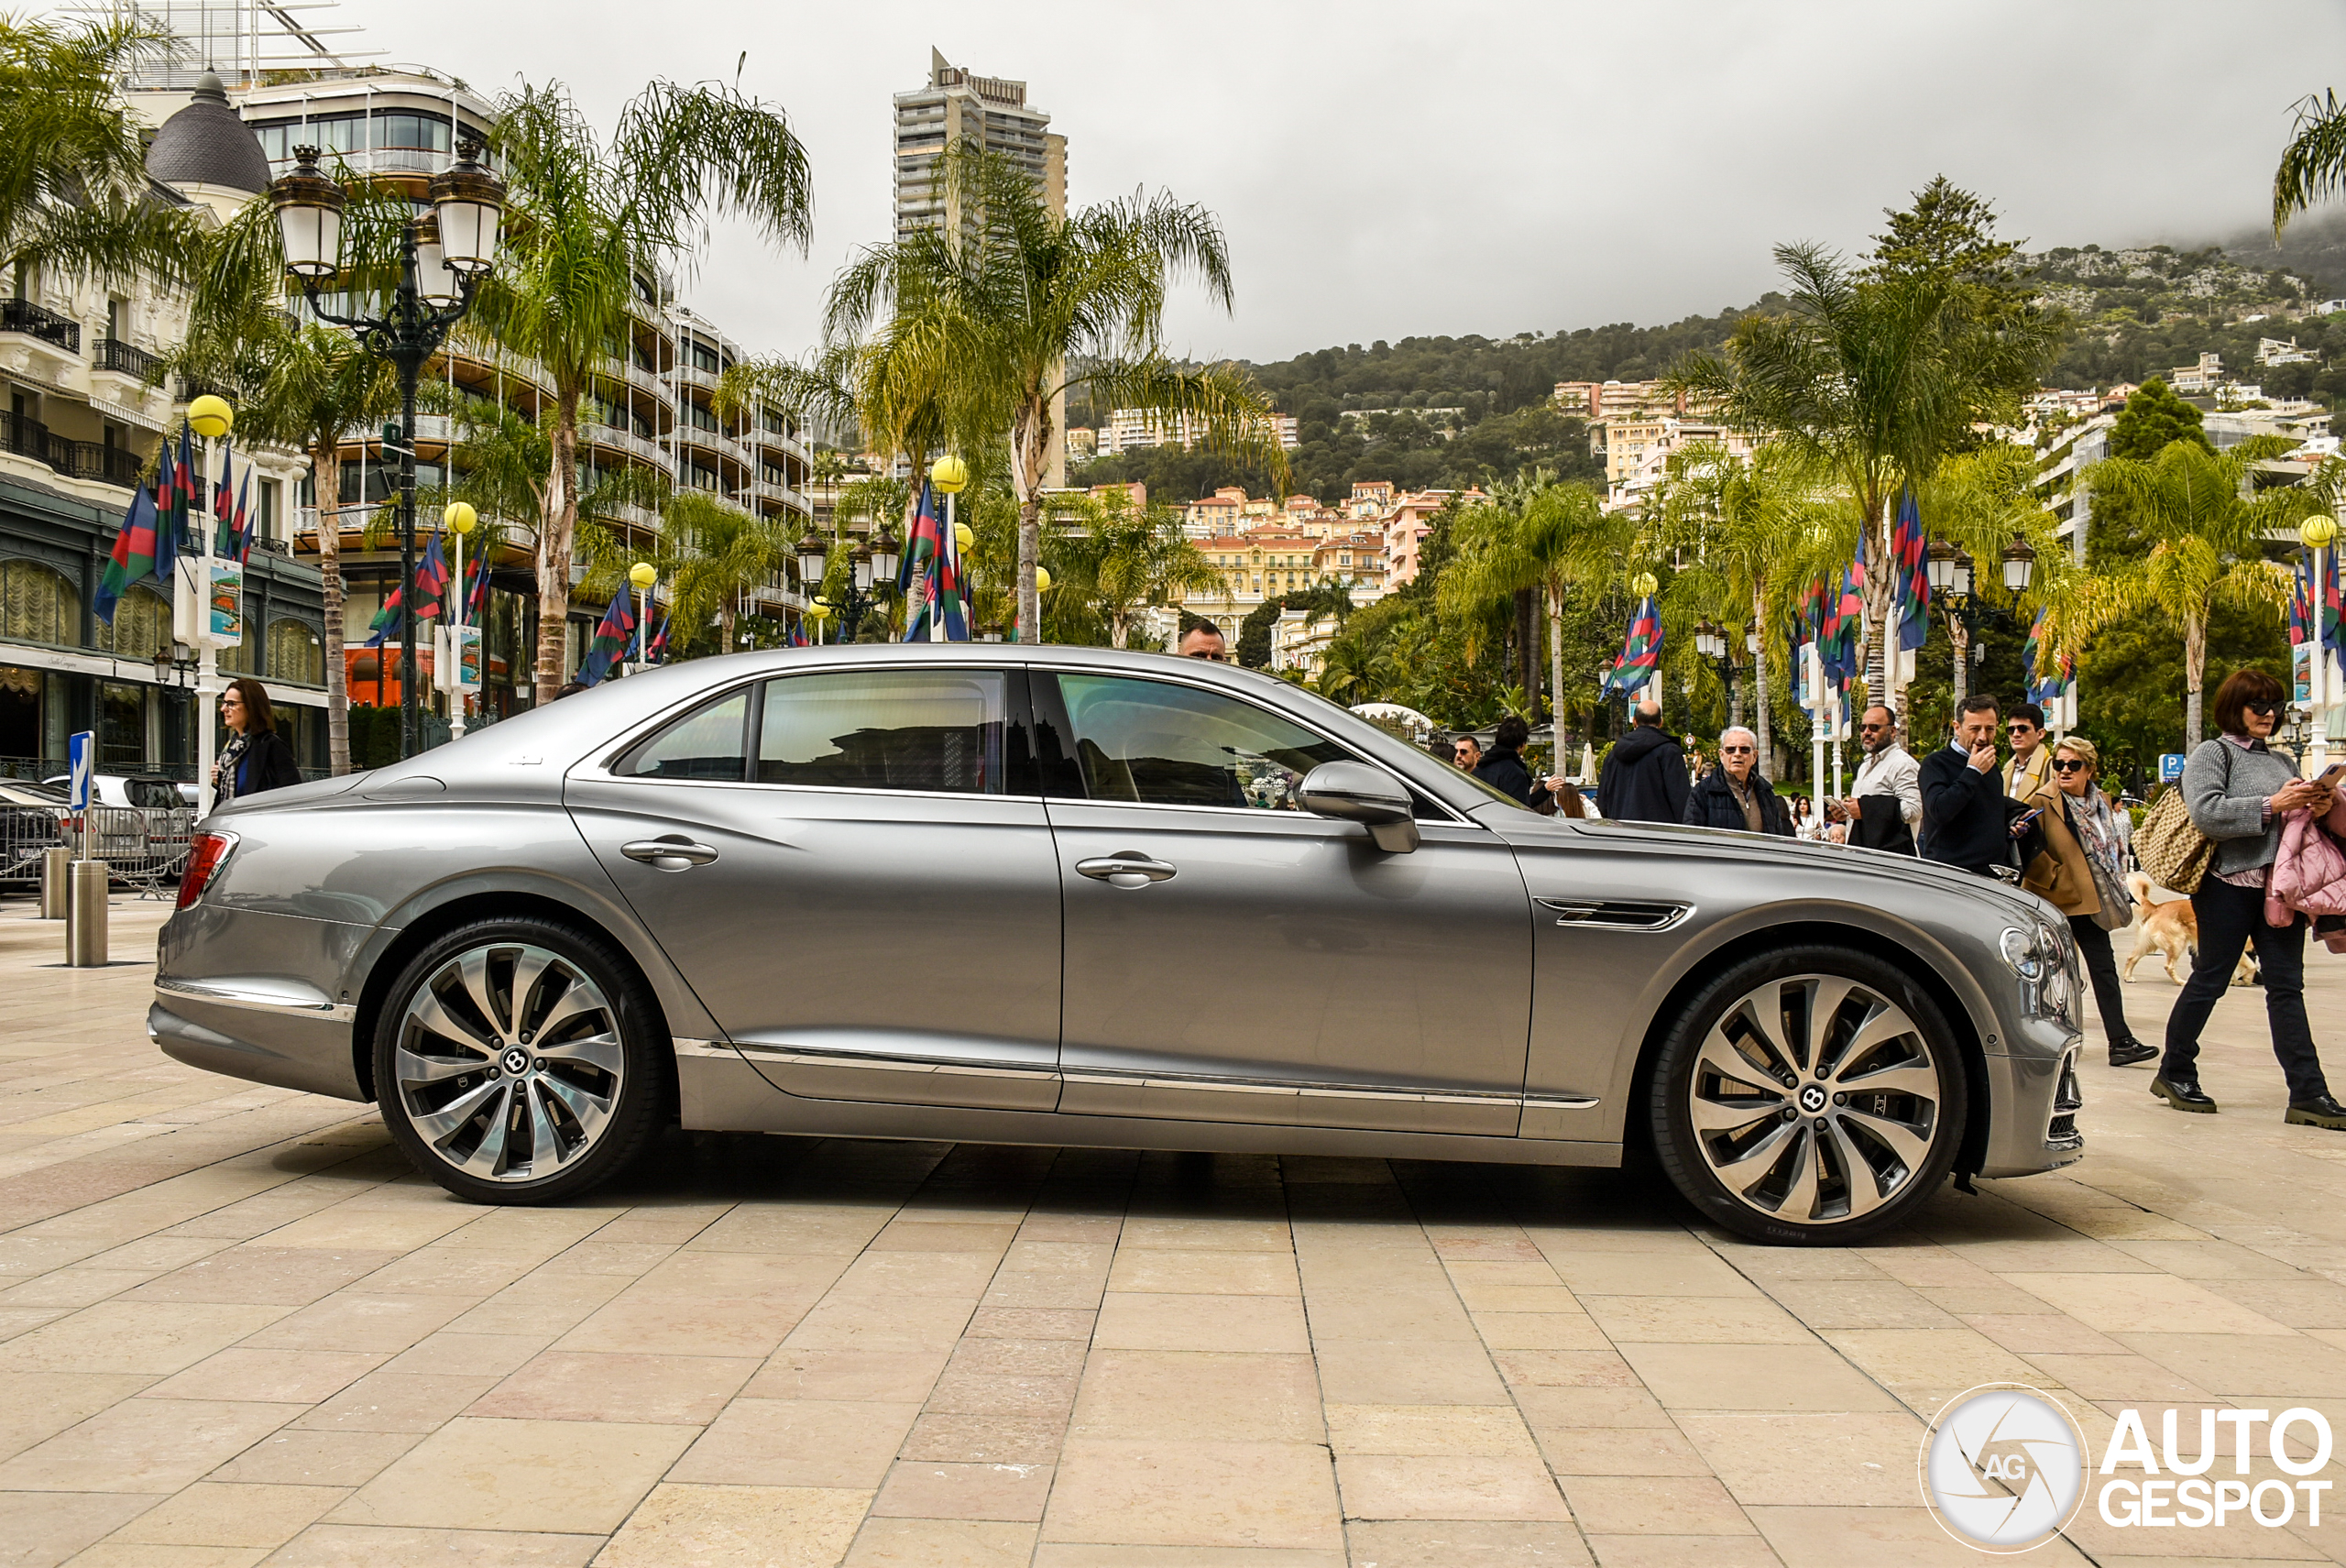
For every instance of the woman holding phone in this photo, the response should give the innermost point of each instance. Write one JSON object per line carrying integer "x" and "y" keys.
{"x": 2238, "y": 790}
{"x": 2082, "y": 873}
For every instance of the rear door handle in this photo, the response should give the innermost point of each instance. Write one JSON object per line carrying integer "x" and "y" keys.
{"x": 673, "y": 853}
{"x": 1129, "y": 869}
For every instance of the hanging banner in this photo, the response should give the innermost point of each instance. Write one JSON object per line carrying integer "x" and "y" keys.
{"x": 208, "y": 601}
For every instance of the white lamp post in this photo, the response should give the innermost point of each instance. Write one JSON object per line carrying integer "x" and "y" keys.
{"x": 644, "y": 574}
{"x": 460, "y": 520}
{"x": 2319, "y": 533}
{"x": 211, "y": 418}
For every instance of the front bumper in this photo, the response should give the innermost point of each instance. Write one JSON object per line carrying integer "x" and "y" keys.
{"x": 2033, "y": 1103}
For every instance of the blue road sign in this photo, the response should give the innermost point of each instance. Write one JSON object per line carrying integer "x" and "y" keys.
{"x": 84, "y": 750}
{"x": 2170, "y": 767}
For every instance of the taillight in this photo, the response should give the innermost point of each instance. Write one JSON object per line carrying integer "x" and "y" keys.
{"x": 210, "y": 850}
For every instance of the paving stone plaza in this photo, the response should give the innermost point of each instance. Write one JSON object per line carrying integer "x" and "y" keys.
{"x": 236, "y": 1329}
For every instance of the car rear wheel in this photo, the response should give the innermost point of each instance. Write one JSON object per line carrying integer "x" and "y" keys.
{"x": 1811, "y": 1096}
{"x": 518, "y": 1061}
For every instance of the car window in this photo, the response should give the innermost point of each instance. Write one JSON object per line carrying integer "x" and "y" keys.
{"x": 707, "y": 743}
{"x": 1162, "y": 744}
{"x": 911, "y": 730}
{"x": 152, "y": 794}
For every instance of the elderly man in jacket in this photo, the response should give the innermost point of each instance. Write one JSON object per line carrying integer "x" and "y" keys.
{"x": 1735, "y": 795}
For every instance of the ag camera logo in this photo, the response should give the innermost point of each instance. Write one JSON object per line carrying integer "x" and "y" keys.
{"x": 2004, "y": 1467}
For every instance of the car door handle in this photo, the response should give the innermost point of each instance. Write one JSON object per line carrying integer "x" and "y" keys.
{"x": 1126, "y": 869}
{"x": 671, "y": 854}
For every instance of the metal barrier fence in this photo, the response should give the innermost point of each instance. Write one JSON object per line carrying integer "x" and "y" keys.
{"x": 25, "y": 834}
{"x": 145, "y": 846}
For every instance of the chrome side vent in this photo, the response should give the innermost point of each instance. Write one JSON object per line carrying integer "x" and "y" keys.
{"x": 1627, "y": 915}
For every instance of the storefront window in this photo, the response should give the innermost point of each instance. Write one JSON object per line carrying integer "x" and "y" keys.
{"x": 122, "y": 728}
{"x": 142, "y": 626}
{"x": 37, "y": 605}
{"x": 296, "y": 653}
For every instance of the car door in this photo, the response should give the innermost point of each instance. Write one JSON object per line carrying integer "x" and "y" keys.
{"x": 1233, "y": 958}
{"x": 853, "y": 871}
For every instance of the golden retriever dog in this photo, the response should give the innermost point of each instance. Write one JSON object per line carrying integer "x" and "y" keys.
{"x": 2173, "y": 930}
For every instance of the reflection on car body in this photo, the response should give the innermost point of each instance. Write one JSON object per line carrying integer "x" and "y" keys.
{"x": 1061, "y": 895}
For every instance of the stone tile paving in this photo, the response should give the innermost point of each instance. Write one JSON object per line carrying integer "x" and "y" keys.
{"x": 236, "y": 1329}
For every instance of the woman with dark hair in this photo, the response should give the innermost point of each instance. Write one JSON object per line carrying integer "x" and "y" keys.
{"x": 255, "y": 757}
{"x": 2238, "y": 790}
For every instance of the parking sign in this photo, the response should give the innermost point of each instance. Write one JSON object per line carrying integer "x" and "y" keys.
{"x": 2170, "y": 767}
{"x": 83, "y": 749}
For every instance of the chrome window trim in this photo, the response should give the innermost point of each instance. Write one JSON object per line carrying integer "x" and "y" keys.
{"x": 256, "y": 1002}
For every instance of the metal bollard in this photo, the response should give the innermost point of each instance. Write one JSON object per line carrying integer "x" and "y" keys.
{"x": 85, "y": 919}
{"x": 56, "y": 871}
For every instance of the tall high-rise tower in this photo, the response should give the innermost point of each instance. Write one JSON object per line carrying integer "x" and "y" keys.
{"x": 987, "y": 110}
{"x": 990, "y": 113}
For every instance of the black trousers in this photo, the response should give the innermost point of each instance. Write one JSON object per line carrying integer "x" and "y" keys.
{"x": 2101, "y": 966}
{"x": 2230, "y": 918}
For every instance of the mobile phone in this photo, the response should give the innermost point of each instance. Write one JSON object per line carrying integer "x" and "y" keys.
{"x": 2020, "y": 823}
{"x": 2332, "y": 774}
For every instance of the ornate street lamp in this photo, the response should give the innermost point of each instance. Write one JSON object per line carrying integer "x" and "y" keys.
{"x": 443, "y": 258}
{"x": 870, "y": 566}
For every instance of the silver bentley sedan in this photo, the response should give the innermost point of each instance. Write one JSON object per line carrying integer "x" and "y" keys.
{"x": 1061, "y": 895}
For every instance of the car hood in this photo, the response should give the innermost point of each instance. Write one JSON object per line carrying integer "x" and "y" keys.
{"x": 1528, "y": 830}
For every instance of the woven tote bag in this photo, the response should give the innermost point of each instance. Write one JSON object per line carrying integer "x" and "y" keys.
{"x": 2173, "y": 853}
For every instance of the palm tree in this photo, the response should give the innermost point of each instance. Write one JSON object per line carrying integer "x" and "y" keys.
{"x": 719, "y": 556}
{"x": 991, "y": 323}
{"x": 590, "y": 227}
{"x": 1123, "y": 560}
{"x": 1983, "y": 505}
{"x": 2207, "y": 546}
{"x": 1537, "y": 539}
{"x": 1353, "y": 671}
{"x": 1876, "y": 377}
{"x": 2313, "y": 165}
{"x": 74, "y": 195}
{"x": 1749, "y": 528}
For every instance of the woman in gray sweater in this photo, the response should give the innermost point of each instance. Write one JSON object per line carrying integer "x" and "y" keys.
{"x": 2237, "y": 790}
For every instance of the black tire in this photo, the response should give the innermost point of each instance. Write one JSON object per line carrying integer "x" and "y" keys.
{"x": 1868, "y": 1174}
{"x": 589, "y": 1060}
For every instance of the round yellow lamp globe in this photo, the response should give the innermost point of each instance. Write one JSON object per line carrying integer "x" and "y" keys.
{"x": 2318, "y": 532}
{"x": 1042, "y": 580}
{"x": 963, "y": 536}
{"x": 644, "y": 574}
{"x": 460, "y": 518}
{"x": 1644, "y": 584}
{"x": 949, "y": 474}
{"x": 209, "y": 416}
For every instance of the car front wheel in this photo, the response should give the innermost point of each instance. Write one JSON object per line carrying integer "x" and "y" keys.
{"x": 1811, "y": 1096}
{"x": 517, "y": 1061}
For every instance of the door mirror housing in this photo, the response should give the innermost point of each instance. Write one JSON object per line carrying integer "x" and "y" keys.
{"x": 1355, "y": 791}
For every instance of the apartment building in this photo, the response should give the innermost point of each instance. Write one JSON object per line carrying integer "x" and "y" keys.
{"x": 87, "y": 409}
{"x": 1636, "y": 452}
{"x": 1277, "y": 557}
{"x": 1136, "y": 429}
{"x": 1598, "y": 400}
{"x": 1405, "y": 523}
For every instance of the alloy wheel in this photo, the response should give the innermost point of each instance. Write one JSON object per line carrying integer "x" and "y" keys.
{"x": 1815, "y": 1099}
{"x": 509, "y": 1062}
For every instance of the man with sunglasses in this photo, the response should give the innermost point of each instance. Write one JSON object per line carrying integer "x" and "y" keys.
{"x": 1735, "y": 794}
{"x": 2029, "y": 769}
{"x": 1885, "y": 799}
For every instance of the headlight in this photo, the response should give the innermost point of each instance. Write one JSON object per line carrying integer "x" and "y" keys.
{"x": 2045, "y": 961}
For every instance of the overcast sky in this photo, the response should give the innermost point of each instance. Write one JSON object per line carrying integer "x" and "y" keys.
{"x": 1385, "y": 170}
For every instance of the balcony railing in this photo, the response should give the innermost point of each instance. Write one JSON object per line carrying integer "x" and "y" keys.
{"x": 23, "y": 315}
{"x": 28, "y": 437}
{"x": 113, "y": 354}
{"x": 626, "y": 440}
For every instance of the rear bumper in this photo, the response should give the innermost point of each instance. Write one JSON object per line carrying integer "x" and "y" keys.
{"x": 257, "y": 996}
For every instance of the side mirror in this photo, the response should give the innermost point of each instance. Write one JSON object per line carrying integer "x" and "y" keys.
{"x": 1355, "y": 791}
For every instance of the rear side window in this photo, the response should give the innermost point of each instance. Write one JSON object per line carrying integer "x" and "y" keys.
{"x": 707, "y": 743}
{"x": 904, "y": 730}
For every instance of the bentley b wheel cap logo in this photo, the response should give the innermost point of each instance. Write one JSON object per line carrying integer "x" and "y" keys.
{"x": 2004, "y": 1467}
{"x": 1812, "y": 1099}
{"x": 516, "y": 1061}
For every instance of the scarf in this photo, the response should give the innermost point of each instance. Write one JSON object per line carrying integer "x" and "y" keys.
{"x": 224, "y": 771}
{"x": 2097, "y": 830}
